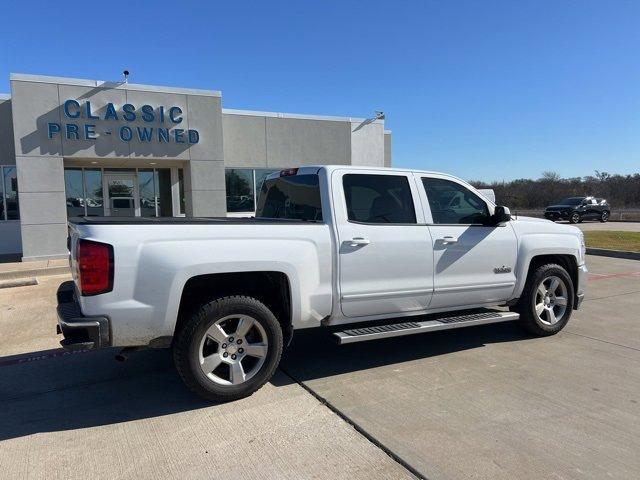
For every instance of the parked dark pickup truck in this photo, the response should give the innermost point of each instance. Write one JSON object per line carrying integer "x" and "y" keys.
{"x": 577, "y": 209}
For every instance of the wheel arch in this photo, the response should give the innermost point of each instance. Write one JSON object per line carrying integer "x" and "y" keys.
{"x": 565, "y": 260}
{"x": 273, "y": 288}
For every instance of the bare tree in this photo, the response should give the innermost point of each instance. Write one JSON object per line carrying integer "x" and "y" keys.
{"x": 550, "y": 176}
{"x": 622, "y": 191}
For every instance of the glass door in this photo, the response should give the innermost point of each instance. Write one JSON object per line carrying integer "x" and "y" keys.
{"x": 122, "y": 198}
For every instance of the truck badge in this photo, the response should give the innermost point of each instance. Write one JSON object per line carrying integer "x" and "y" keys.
{"x": 502, "y": 269}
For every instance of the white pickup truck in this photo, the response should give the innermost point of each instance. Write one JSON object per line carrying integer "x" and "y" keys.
{"x": 398, "y": 251}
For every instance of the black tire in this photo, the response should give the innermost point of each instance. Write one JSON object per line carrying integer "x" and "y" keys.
{"x": 187, "y": 345}
{"x": 526, "y": 306}
{"x": 604, "y": 217}
{"x": 575, "y": 218}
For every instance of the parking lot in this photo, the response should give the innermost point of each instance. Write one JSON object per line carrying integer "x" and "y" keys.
{"x": 489, "y": 402}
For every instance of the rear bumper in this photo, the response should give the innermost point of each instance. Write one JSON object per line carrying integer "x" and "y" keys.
{"x": 80, "y": 332}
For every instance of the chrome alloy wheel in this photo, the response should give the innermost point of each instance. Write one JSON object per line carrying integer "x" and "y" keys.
{"x": 551, "y": 300}
{"x": 233, "y": 349}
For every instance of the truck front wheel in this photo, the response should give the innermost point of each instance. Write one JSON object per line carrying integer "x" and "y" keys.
{"x": 229, "y": 348}
{"x": 546, "y": 302}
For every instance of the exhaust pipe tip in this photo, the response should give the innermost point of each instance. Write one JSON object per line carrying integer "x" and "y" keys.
{"x": 123, "y": 355}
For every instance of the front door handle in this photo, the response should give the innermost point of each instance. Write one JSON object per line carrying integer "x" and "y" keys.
{"x": 449, "y": 239}
{"x": 358, "y": 241}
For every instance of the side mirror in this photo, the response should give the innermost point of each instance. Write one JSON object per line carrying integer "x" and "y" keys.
{"x": 501, "y": 215}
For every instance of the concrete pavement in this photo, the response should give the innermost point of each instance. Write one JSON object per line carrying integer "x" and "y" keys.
{"x": 83, "y": 415}
{"x": 488, "y": 402}
{"x": 13, "y": 270}
{"x": 492, "y": 402}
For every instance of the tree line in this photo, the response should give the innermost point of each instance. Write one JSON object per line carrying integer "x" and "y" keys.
{"x": 621, "y": 191}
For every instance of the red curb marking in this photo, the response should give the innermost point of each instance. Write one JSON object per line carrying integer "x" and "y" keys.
{"x": 600, "y": 276}
{"x": 21, "y": 359}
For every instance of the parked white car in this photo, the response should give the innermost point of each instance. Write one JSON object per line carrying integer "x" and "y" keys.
{"x": 329, "y": 246}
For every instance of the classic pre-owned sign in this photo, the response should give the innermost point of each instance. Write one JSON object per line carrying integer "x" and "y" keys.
{"x": 159, "y": 124}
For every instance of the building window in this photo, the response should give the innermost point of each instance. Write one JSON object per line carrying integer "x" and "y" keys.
{"x": 147, "y": 192}
{"x": 83, "y": 187}
{"x": 243, "y": 187}
{"x": 181, "y": 190}
{"x": 163, "y": 191}
{"x": 154, "y": 189}
{"x": 261, "y": 174}
{"x": 240, "y": 190}
{"x": 74, "y": 191}
{"x": 9, "y": 194}
{"x": 93, "y": 192}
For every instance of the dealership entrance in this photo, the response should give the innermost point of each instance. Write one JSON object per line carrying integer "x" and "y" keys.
{"x": 124, "y": 192}
{"x": 123, "y": 199}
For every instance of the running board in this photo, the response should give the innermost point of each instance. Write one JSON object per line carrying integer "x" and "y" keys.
{"x": 410, "y": 328}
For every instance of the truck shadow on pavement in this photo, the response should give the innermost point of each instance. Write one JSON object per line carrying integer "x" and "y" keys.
{"x": 86, "y": 390}
{"x": 314, "y": 355}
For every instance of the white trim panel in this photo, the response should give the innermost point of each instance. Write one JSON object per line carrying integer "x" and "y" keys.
{"x": 24, "y": 77}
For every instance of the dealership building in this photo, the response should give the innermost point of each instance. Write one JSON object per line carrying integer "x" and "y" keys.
{"x": 72, "y": 147}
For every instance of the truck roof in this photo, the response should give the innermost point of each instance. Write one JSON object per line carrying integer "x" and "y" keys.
{"x": 311, "y": 169}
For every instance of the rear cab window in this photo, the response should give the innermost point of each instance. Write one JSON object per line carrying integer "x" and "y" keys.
{"x": 294, "y": 197}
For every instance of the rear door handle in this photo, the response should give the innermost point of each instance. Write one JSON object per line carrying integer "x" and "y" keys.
{"x": 358, "y": 241}
{"x": 449, "y": 239}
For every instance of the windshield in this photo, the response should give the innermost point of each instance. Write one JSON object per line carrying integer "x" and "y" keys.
{"x": 571, "y": 201}
{"x": 295, "y": 197}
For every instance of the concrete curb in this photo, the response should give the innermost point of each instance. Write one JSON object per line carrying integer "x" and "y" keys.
{"x": 37, "y": 272}
{"x": 20, "y": 282}
{"x": 603, "y": 252}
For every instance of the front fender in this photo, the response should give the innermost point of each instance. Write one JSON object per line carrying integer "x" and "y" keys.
{"x": 534, "y": 245}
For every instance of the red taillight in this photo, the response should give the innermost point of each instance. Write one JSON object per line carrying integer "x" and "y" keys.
{"x": 95, "y": 267}
{"x": 288, "y": 172}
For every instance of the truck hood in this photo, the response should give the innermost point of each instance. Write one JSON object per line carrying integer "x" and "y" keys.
{"x": 522, "y": 218}
{"x": 541, "y": 225}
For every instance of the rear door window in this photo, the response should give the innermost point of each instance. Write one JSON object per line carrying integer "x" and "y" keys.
{"x": 378, "y": 199}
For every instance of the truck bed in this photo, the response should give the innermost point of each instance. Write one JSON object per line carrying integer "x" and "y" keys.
{"x": 185, "y": 221}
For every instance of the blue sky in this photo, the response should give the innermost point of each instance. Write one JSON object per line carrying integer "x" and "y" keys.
{"x": 486, "y": 90}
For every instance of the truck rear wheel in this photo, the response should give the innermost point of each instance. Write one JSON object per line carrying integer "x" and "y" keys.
{"x": 229, "y": 348}
{"x": 546, "y": 303}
